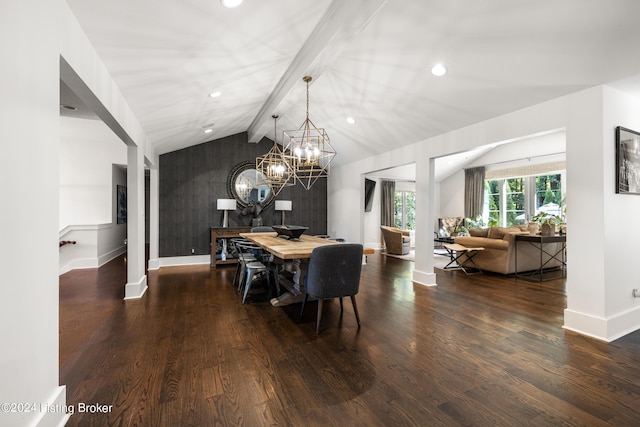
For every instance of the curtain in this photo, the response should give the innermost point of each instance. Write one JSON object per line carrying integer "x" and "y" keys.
{"x": 387, "y": 211}
{"x": 473, "y": 191}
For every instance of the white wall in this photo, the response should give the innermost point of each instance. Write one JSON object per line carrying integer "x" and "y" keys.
{"x": 372, "y": 237}
{"x": 88, "y": 149}
{"x": 29, "y": 52}
{"x": 34, "y": 36}
{"x": 621, "y": 235}
{"x": 90, "y": 170}
{"x": 600, "y": 299}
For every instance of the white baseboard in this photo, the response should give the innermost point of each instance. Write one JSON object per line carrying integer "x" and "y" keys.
{"x": 55, "y": 414}
{"x": 424, "y": 278}
{"x": 154, "y": 264}
{"x": 184, "y": 260}
{"x": 604, "y": 329}
{"x": 135, "y": 290}
{"x": 80, "y": 263}
{"x": 105, "y": 258}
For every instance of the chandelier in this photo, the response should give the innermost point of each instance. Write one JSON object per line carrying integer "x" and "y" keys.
{"x": 309, "y": 150}
{"x": 274, "y": 168}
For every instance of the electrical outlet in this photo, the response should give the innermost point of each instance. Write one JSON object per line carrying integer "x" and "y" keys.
{"x": 193, "y": 251}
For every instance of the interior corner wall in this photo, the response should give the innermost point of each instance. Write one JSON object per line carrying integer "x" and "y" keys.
{"x": 30, "y": 177}
{"x": 192, "y": 179}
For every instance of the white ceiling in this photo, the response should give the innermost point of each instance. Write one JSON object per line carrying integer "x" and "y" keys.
{"x": 369, "y": 59}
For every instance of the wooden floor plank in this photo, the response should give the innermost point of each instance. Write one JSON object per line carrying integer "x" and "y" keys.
{"x": 474, "y": 350}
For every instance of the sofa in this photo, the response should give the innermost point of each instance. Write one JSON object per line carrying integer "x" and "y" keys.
{"x": 499, "y": 254}
{"x": 397, "y": 241}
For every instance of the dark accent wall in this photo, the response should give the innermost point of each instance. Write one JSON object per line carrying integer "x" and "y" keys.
{"x": 192, "y": 179}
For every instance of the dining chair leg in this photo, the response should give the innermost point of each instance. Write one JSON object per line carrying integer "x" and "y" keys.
{"x": 241, "y": 277}
{"x": 320, "y": 301}
{"x": 341, "y": 305}
{"x": 247, "y": 284}
{"x": 355, "y": 308}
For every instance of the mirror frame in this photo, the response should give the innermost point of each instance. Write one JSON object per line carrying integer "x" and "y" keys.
{"x": 231, "y": 184}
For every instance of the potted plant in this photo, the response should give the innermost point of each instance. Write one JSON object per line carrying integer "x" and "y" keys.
{"x": 548, "y": 222}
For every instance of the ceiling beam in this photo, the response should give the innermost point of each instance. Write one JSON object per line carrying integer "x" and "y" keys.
{"x": 335, "y": 30}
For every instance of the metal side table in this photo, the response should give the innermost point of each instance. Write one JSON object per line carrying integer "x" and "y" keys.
{"x": 539, "y": 242}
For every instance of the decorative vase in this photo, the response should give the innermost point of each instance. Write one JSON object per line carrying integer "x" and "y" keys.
{"x": 548, "y": 229}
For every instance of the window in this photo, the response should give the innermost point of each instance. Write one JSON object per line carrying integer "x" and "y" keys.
{"x": 513, "y": 201}
{"x": 405, "y": 210}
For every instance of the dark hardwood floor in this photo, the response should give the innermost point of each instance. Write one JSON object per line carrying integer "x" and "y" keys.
{"x": 479, "y": 350}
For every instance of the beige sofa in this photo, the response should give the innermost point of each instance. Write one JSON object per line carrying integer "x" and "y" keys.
{"x": 499, "y": 254}
{"x": 396, "y": 241}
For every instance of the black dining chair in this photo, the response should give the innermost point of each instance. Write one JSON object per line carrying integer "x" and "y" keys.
{"x": 334, "y": 272}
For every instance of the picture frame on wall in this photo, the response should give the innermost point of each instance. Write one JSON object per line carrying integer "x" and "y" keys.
{"x": 627, "y": 161}
{"x": 121, "y": 204}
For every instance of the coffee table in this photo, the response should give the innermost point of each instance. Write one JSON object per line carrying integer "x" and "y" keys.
{"x": 456, "y": 251}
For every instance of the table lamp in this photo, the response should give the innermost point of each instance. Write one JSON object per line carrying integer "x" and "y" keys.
{"x": 226, "y": 205}
{"x": 283, "y": 205}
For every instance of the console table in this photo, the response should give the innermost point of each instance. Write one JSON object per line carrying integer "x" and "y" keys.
{"x": 539, "y": 241}
{"x": 220, "y": 235}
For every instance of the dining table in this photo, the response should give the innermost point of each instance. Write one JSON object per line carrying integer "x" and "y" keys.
{"x": 294, "y": 255}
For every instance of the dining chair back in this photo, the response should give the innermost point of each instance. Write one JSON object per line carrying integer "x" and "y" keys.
{"x": 334, "y": 272}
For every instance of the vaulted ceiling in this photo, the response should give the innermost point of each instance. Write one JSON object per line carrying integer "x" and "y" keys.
{"x": 369, "y": 59}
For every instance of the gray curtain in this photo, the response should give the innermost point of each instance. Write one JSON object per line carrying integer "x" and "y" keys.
{"x": 473, "y": 191}
{"x": 388, "y": 203}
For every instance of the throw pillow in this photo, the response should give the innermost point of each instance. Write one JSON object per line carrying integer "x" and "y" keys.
{"x": 499, "y": 232}
{"x": 478, "y": 232}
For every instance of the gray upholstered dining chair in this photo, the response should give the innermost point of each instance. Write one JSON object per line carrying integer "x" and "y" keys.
{"x": 334, "y": 272}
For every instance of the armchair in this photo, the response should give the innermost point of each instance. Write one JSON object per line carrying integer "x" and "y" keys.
{"x": 396, "y": 241}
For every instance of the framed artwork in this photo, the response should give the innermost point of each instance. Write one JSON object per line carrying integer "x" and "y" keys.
{"x": 121, "y": 197}
{"x": 627, "y": 161}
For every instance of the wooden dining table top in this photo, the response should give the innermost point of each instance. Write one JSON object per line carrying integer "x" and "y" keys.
{"x": 287, "y": 249}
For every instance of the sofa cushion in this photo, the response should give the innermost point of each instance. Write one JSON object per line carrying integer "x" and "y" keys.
{"x": 478, "y": 232}
{"x": 482, "y": 242}
{"x": 499, "y": 232}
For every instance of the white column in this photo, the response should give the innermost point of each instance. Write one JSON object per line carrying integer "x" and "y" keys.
{"x": 154, "y": 220}
{"x": 425, "y": 210}
{"x": 136, "y": 279}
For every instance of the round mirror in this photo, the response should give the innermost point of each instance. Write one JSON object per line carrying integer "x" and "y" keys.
{"x": 246, "y": 184}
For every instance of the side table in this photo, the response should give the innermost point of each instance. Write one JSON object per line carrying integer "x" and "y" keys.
{"x": 539, "y": 242}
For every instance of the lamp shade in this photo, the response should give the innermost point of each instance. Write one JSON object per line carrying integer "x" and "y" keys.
{"x": 226, "y": 204}
{"x": 283, "y": 205}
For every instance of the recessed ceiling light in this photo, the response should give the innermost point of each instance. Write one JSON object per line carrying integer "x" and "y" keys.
{"x": 209, "y": 130}
{"x": 68, "y": 107}
{"x": 351, "y": 120}
{"x": 439, "y": 70}
{"x": 231, "y": 3}
{"x": 215, "y": 94}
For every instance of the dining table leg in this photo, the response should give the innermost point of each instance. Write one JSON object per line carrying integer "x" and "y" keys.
{"x": 295, "y": 288}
